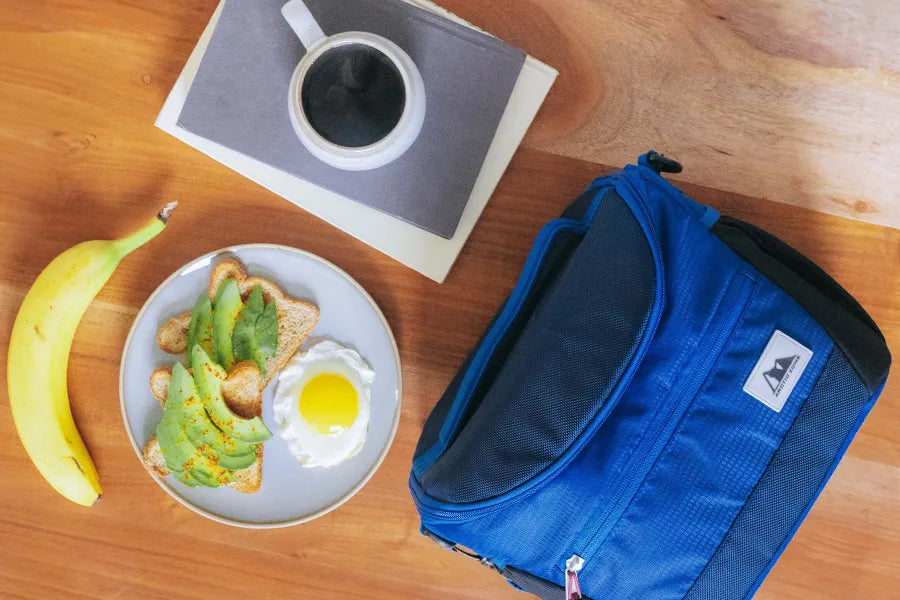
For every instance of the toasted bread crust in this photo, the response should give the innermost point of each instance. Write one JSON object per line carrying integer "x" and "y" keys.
{"x": 229, "y": 268}
{"x": 243, "y": 388}
{"x": 249, "y": 480}
{"x": 153, "y": 459}
{"x": 296, "y": 318}
{"x": 172, "y": 337}
{"x": 159, "y": 384}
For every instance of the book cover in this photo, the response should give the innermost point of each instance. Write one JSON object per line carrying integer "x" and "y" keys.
{"x": 239, "y": 100}
{"x": 425, "y": 252}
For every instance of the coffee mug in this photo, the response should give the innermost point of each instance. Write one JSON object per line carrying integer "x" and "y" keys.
{"x": 356, "y": 100}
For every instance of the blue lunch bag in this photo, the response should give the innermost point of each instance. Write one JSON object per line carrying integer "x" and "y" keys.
{"x": 655, "y": 408}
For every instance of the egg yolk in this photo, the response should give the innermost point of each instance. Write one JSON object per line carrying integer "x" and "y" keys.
{"x": 329, "y": 403}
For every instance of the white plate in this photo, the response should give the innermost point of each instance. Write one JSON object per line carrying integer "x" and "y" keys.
{"x": 290, "y": 494}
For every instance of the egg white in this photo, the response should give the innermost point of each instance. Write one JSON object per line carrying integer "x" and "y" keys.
{"x": 310, "y": 447}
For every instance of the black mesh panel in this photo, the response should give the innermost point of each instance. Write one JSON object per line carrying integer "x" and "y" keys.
{"x": 789, "y": 484}
{"x": 562, "y": 367}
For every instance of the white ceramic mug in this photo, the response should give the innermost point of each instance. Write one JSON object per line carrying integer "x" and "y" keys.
{"x": 363, "y": 158}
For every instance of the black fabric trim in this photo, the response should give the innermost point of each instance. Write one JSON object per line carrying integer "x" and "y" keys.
{"x": 853, "y": 330}
{"x": 578, "y": 209}
{"x": 543, "y": 589}
{"x": 431, "y": 430}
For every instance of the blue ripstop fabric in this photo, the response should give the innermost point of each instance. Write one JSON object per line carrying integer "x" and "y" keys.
{"x": 603, "y": 412}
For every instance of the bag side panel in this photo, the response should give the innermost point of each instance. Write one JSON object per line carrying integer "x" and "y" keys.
{"x": 718, "y": 448}
{"x": 837, "y": 311}
{"x": 790, "y": 484}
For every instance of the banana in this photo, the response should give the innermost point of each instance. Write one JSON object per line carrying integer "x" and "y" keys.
{"x": 39, "y": 355}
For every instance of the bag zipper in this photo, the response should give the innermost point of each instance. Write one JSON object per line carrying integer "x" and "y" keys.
{"x": 734, "y": 302}
{"x": 573, "y": 567}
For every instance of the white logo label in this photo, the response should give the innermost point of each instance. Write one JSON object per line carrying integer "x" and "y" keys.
{"x": 778, "y": 370}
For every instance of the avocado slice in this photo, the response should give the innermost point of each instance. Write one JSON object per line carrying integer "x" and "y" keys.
{"x": 187, "y": 461}
{"x": 183, "y": 432}
{"x": 228, "y": 452}
{"x": 164, "y": 432}
{"x": 185, "y": 478}
{"x": 255, "y": 334}
{"x": 227, "y": 307}
{"x": 189, "y": 464}
{"x": 200, "y": 429}
{"x": 209, "y": 377}
{"x": 200, "y": 330}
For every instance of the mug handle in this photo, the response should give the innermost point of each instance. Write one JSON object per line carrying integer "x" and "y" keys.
{"x": 303, "y": 23}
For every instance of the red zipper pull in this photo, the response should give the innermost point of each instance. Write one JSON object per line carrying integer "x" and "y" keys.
{"x": 573, "y": 587}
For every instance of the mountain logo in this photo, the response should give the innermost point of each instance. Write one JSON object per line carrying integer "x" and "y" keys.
{"x": 778, "y": 370}
{"x": 775, "y": 376}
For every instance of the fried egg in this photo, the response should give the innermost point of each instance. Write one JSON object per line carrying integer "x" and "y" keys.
{"x": 322, "y": 404}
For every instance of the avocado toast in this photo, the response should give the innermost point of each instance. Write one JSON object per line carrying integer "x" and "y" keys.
{"x": 213, "y": 428}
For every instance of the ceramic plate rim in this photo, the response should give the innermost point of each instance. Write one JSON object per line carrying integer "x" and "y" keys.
{"x": 268, "y": 524}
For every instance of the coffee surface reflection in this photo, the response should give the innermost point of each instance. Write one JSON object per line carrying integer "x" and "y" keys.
{"x": 353, "y": 95}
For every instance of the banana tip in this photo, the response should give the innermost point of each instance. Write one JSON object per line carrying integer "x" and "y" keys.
{"x": 97, "y": 500}
{"x": 167, "y": 211}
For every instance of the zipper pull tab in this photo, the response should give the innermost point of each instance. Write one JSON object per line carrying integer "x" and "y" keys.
{"x": 573, "y": 588}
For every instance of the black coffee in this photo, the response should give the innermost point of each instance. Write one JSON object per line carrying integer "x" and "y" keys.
{"x": 353, "y": 95}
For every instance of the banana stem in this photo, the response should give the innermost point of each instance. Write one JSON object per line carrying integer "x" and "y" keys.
{"x": 167, "y": 211}
{"x": 146, "y": 233}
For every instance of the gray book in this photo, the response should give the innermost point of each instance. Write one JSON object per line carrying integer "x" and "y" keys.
{"x": 239, "y": 100}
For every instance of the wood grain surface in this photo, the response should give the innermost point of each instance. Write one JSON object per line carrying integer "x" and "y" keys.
{"x": 796, "y": 101}
{"x": 792, "y": 102}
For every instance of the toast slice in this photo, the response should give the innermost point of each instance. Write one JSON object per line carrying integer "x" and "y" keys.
{"x": 242, "y": 391}
{"x": 296, "y": 318}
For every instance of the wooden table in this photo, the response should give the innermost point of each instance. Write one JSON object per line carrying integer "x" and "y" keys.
{"x": 80, "y": 84}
